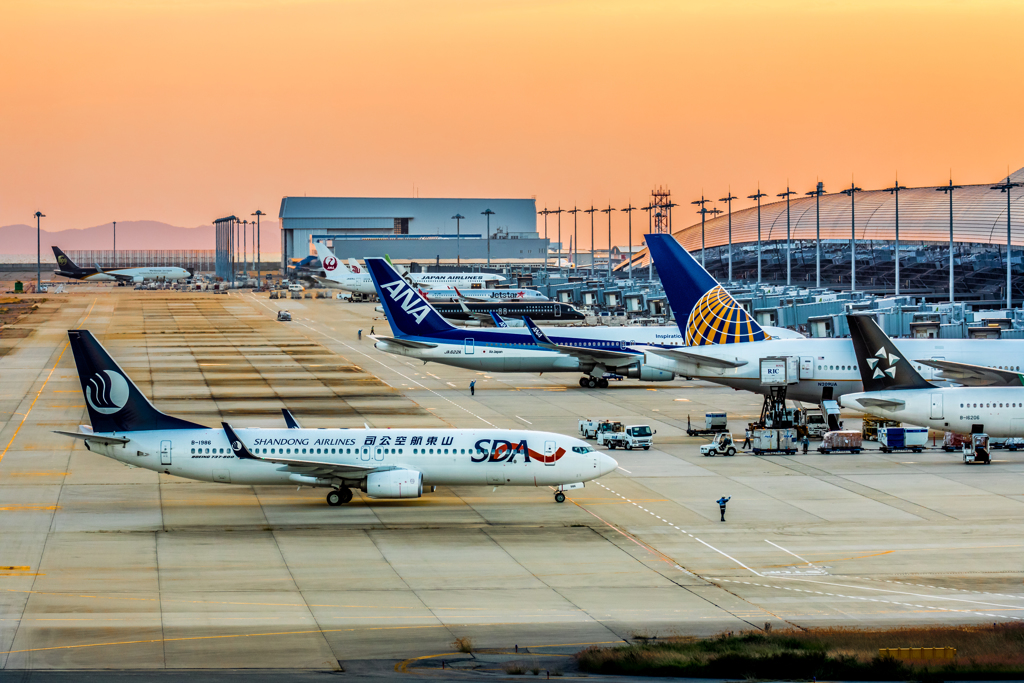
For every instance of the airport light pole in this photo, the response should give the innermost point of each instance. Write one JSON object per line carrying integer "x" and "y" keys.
{"x": 458, "y": 237}
{"x": 591, "y": 211}
{"x": 895, "y": 191}
{"x": 629, "y": 212}
{"x": 245, "y": 246}
{"x": 115, "y": 244}
{"x": 817, "y": 192}
{"x": 258, "y": 255}
{"x": 948, "y": 189}
{"x": 39, "y": 263}
{"x": 488, "y": 213}
{"x": 545, "y": 213}
{"x": 715, "y": 211}
{"x": 609, "y": 212}
{"x": 701, "y": 202}
{"x": 559, "y": 214}
{"x": 758, "y": 198}
{"x": 728, "y": 199}
{"x": 1006, "y": 187}
{"x": 789, "y": 263}
{"x": 575, "y": 239}
{"x": 850, "y": 192}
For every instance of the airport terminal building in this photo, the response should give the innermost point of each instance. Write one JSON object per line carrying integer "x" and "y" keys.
{"x": 413, "y": 229}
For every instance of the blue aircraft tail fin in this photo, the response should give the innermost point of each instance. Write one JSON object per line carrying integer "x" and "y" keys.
{"x": 408, "y": 312}
{"x": 498, "y": 322}
{"x": 705, "y": 312}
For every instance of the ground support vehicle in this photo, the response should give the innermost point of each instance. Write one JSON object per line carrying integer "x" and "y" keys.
{"x": 722, "y": 444}
{"x": 977, "y": 450}
{"x": 606, "y": 429}
{"x": 1013, "y": 443}
{"x": 713, "y": 424}
{"x": 771, "y": 441}
{"x": 871, "y": 425}
{"x": 633, "y": 436}
{"x": 902, "y": 439}
{"x": 846, "y": 440}
{"x": 813, "y": 422}
{"x": 589, "y": 426}
{"x": 284, "y": 316}
{"x": 954, "y": 441}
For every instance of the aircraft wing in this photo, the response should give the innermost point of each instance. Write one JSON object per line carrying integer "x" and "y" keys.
{"x": 116, "y": 276}
{"x": 483, "y": 318}
{"x": 697, "y": 358}
{"x": 607, "y": 357}
{"x": 309, "y": 467}
{"x": 408, "y": 343}
{"x": 89, "y": 436}
{"x": 974, "y": 375}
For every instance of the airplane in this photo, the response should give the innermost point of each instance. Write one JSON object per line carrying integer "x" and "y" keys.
{"x": 828, "y": 368}
{"x": 68, "y": 268}
{"x": 483, "y": 296}
{"x": 384, "y": 463}
{"x": 894, "y": 390}
{"x": 353, "y": 279}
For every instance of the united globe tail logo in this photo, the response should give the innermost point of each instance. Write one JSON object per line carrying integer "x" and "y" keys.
{"x": 718, "y": 319}
{"x": 106, "y": 392}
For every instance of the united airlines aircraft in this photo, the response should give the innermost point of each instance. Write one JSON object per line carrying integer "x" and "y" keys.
{"x": 384, "y": 463}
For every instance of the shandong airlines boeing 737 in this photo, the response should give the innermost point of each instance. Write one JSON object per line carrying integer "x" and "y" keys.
{"x": 384, "y": 463}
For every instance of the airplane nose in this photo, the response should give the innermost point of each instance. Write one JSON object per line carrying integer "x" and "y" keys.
{"x": 607, "y": 464}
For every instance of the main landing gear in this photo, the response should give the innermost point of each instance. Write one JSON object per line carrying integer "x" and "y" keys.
{"x": 559, "y": 497}
{"x": 589, "y": 382}
{"x": 339, "y": 497}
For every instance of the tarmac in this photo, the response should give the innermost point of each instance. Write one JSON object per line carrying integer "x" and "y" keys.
{"x": 106, "y": 567}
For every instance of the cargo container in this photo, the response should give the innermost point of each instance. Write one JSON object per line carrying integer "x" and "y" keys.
{"x": 902, "y": 439}
{"x": 774, "y": 441}
{"x": 847, "y": 440}
{"x": 713, "y": 424}
{"x": 954, "y": 441}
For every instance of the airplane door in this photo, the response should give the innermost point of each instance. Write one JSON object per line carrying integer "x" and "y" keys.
{"x": 549, "y": 449}
{"x": 807, "y": 367}
{"x": 470, "y": 348}
{"x": 936, "y": 406}
{"x": 165, "y": 452}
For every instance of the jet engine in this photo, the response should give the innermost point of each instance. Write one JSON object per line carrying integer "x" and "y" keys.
{"x": 645, "y": 373}
{"x": 394, "y": 484}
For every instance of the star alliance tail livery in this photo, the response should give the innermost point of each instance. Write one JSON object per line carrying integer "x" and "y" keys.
{"x": 384, "y": 463}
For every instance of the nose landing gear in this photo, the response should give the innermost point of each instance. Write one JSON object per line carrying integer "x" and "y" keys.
{"x": 339, "y": 497}
{"x": 559, "y": 497}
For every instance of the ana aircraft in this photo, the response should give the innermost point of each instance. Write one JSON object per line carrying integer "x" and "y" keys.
{"x": 68, "y": 268}
{"x": 725, "y": 345}
{"x": 894, "y": 390}
{"x": 385, "y": 463}
{"x": 353, "y": 279}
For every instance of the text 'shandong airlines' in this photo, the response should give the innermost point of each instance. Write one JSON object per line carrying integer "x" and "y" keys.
{"x": 384, "y": 463}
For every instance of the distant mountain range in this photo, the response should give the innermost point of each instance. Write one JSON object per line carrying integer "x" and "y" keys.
{"x": 21, "y": 239}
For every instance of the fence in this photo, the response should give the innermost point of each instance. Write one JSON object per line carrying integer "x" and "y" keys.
{"x": 201, "y": 260}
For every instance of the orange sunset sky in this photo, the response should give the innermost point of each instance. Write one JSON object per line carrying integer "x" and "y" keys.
{"x": 185, "y": 110}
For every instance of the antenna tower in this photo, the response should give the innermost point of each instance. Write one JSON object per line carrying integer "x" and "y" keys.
{"x": 661, "y": 199}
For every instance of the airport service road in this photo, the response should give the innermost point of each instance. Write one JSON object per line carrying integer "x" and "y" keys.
{"x": 102, "y": 566}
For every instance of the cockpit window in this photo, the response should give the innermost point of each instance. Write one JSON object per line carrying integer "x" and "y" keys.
{"x": 582, "y": 449}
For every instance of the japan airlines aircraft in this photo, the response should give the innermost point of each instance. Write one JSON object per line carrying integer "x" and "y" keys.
{"x": 385, "y": 463}
{"x": 338, "y": 276}
{"x": 894, "y": 390}
{"x": 68, "y": 268}
{"x": 827, "y": 367}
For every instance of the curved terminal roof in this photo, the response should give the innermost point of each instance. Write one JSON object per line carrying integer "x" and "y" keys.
{"x": 979, "y": 216}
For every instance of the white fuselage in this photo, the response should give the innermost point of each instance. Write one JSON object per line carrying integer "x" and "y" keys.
{"x": 139, "y": 274}
{"x": 999, "y": 411}
{"x": 483, "y": 295}
{"x": 456, "y": 457}
{"x": 362, "y": 284}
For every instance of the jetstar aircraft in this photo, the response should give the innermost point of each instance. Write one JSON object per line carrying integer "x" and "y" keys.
{"x": 894, "y": 390}
{"x": 337, "y": 276}
{"x": 715, "y": 322}
{"x": 384, "y": 463}
{"x": 420, "y": 332}
{"x": 68, "y": 268}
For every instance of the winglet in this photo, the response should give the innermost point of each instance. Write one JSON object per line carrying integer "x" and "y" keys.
{"x": 289, "y": 419}
{"x": 237, "y": 446}
{"x": 539, "y": 338}
{"x": 498, "y": 322}
{"x": 98, "y": 269}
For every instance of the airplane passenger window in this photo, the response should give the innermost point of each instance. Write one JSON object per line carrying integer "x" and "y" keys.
{"x": 399, "y": 451}
{"x": 432, "y": 451}
{"x": 193, "y": 451}
{"x": 445, "y": 451}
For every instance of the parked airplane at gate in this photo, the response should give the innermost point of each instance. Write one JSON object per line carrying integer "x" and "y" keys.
{"x": 385, "y": 463}
{"x": 68, "y": 268}
{"x": 894, "y": 390}
{"x": 338, "y": 276}
{"x": 715, "y": 324}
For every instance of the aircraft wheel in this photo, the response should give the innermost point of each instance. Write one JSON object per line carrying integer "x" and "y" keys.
{"x": 602, "y": 383}
{"x": 583, "y": 382}
{"x": 334, "y": 498}
{"x": 591, "y": 383}
{"x": 559, "y": 497}
{"x": 346, "y": 495}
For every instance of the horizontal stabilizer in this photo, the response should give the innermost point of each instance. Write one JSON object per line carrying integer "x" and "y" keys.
{"x": 407, "y": 343}
{"x": 696, "y": 358}
{"x": 974, "y": 375}
{"x": 87, "y": 436}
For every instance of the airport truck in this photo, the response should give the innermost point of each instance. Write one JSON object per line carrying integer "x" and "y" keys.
{"x": 589, "y": 426}
{"x": 633, "y": 436}
{"x": 713, "y": 424}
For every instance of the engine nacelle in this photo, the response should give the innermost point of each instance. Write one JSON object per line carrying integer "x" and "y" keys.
{"x": 646, "y": 373}
{"x": 138, "y": 278}
{"x": 394, "y": 484}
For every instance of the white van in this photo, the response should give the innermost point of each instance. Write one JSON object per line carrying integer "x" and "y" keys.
{"x": 296, "y": 287}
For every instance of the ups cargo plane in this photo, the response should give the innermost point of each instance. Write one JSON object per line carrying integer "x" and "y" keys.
{"x": 68, "y": 268}
{"x": 384, "y": 463}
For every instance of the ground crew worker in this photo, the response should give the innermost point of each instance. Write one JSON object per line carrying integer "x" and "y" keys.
{"x": 360, "y": 334}
{"x": 472, "y": 388}
{"x": 806, "y": 442}
{"x": 746, "y": 440}
{"x": 371, "y": 330}
{"x": 721, "y": 505}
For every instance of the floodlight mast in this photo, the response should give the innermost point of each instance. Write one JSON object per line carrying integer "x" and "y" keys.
{"x": 758, "y": 198}
{"x": 629, "y": 212}
{"x": 817, "y": 192}
{"x": 703, "y": 212}
{"x": 1006, "y": 187}
{"x": 458, "y": 218}
{"x": 575, "y": 239}
{"x": 547, "y": 249}
{"x": 850, "y": 191}
{"x": 609, "y": 212}
{"x": 39, "y": 263}
{"x": 895, "y": 191}
{"x": 488, "y": 213}
{"x": 948, "y": 189}
{"x": 591, "y": 211}
{"x": 789, "y": 264}
{"x": 559, "y": 213}
{"x": 258, "y": 254}
{"x": 728, "y": 199}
